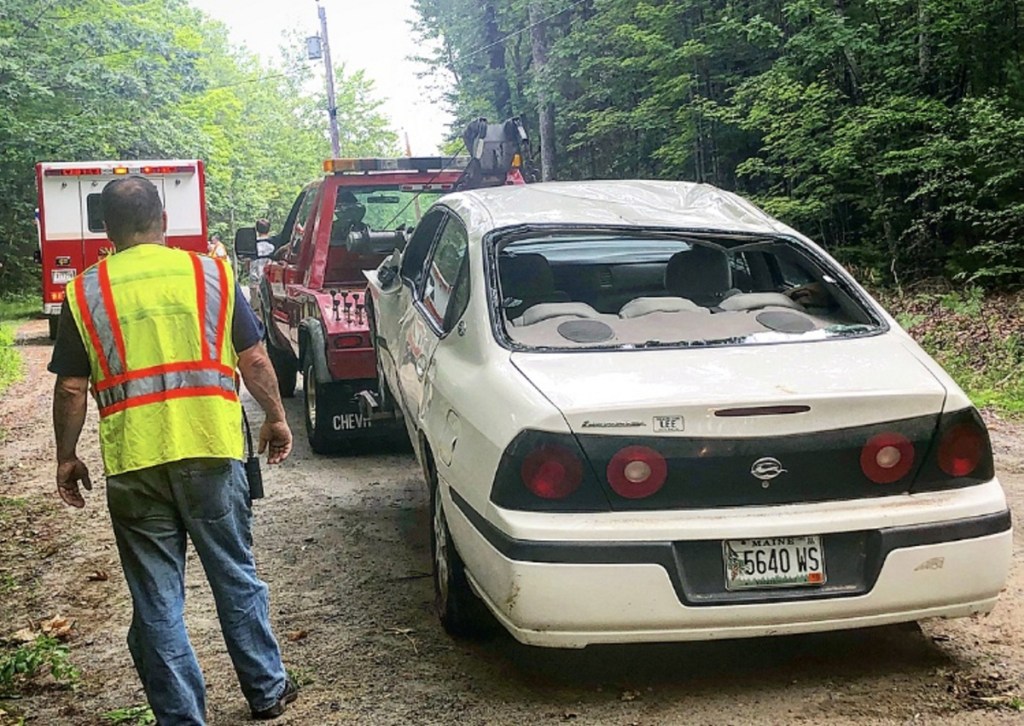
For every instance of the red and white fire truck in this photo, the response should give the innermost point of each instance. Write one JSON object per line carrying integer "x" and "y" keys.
{"x": 71, "y": 233}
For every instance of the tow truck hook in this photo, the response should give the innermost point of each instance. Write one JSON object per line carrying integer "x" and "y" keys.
{"x": 370, "y": 408}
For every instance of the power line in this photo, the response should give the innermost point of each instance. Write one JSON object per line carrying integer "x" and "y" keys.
{"x": 522, "y": 30}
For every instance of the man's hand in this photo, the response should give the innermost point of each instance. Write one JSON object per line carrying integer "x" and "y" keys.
{"x": 278, "y": 437}
{"x": 69, "y": 474}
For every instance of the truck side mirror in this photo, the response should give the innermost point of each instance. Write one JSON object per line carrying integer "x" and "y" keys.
{"x": 245, "y": 242}
{"x": 37, "y": 257}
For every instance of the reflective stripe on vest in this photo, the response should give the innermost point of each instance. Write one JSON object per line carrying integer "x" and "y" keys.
{"x": 119, "y": 388}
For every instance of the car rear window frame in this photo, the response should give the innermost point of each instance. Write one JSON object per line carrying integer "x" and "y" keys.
{"x": 497, "y": 239}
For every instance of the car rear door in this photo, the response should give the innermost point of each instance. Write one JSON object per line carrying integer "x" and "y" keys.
{"x": 439, "y": 295}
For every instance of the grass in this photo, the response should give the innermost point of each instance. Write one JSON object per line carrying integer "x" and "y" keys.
{"x": 975, "y": 338}
{"x": 140, "y": 715}
{"x": 13, "y": 311}
{"x": 31, "y": 660}
{"x": 10, "y": 358}
{"x": 19, "y": 307}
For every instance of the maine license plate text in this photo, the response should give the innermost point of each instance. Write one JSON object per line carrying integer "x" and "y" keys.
{"x": 773, "y": 562}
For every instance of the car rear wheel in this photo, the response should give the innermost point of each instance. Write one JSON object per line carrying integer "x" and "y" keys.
{"x": 461, "y": 612}
{"x": 285, "y": 368}
{"x": 316, "y": 397}
{"x": 52, "y": 320}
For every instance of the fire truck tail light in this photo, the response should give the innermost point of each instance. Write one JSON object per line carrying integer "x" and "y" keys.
{"x": 167, "y": 169}
{"x": 122, "y": 170}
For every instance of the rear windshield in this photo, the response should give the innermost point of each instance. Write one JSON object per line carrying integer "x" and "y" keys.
{"x": 603, "y": 291}
{"x": 377, "y": 210}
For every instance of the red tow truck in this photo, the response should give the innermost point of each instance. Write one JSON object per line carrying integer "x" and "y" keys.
{"x": 311, "y": 295}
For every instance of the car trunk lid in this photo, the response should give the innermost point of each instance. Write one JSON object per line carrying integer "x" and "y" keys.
{"x": 720, "y": 416}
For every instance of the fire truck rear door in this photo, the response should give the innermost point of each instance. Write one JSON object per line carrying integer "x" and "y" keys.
{"x": 95, "y": 244}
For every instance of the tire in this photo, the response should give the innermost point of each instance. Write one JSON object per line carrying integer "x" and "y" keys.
{"x": 52, "y": 320}
{"x": 461, "y": 612}
{"x": 317, "y": 398}
{"x": 285, "y": 368}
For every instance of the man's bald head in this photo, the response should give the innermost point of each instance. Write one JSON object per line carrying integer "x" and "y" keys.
{"x": 132, "y": 212}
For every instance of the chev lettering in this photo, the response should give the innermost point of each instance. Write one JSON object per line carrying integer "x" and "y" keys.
{"x": 351, "y": 422}
{"x": 612, "y": 424}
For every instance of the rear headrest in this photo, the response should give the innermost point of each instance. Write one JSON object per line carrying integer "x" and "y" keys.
{"x": 526, "y": 276}
{"x": 698, "y": 272}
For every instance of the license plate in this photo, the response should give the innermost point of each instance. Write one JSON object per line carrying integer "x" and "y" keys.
{"x": 773, "y": 562}
{"x": 62, "y": 277}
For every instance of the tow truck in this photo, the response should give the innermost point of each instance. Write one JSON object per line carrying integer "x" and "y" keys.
{"x": 312, "y": 296}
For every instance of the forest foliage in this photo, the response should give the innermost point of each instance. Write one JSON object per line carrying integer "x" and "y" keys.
{"x": 891, "y": 131}
{"x": 157, "y": 79}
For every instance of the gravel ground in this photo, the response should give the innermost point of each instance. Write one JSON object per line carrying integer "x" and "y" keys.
{"x": 343, "y": 544}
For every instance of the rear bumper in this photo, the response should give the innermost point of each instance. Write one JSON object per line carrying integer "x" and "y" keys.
{"x": 575, "y": 593}
{"x": 51, "y": 308}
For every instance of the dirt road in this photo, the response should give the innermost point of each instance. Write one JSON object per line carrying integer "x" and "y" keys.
{"x": 343, "y": 543}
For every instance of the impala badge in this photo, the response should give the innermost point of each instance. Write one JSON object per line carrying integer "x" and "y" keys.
{"x": 765, "y": 469}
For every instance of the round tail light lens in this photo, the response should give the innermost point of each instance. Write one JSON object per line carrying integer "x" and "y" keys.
{"x": 887, "y": 458}
{"x": 961, "y": 450}
{"x": 552, "y": 472}
{"x": 636, "y": 472}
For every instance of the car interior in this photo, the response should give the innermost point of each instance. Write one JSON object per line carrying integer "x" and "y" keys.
{"x": 611, "y": 291}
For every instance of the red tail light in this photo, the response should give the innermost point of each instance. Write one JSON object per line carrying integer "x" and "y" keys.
{"x": 636, "y": 472}
{"x": 887, "y": 458}
{"x": 961, "y": 450}
{"x": 552, "y": 472}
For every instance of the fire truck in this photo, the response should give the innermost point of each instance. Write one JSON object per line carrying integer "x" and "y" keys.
{"x": 71, "y": 232}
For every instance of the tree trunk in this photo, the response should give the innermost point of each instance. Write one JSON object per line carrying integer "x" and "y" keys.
{"x": 545, "y": 108}
{"x": 496, "y": 54}
{"x": 924, "y": 55}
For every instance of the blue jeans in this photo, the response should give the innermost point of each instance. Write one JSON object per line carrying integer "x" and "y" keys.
{"x": 152, "y": 511}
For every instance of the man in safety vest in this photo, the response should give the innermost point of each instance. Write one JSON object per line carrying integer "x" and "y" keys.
{"x": 159, "y": 333}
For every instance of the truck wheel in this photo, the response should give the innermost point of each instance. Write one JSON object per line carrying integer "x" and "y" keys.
{"x": 461, "y": 612}
{"x": 52, "y": 320}
{"x": 285, "y": 369}
{"x": 317, "y": 396}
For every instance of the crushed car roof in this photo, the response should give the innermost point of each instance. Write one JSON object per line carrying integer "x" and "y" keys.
{"x": 620, "y": 202}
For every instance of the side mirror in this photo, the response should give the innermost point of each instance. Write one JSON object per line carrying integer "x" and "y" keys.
{"x": 387, "y": 273}
{"x": 37, "y": 257}
{"x": 245, "y": 242}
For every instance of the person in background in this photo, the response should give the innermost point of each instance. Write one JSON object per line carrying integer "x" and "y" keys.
{"x": 216, "y": 248}
{"x": 158, "y": 333}
{"x": 264, "y": 249}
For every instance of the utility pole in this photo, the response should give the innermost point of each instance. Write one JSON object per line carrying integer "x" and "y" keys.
{"x": 545, "y": 108}
{"x": 332, "y": 105}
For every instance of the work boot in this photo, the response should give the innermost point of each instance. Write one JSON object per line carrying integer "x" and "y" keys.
{"x": 291, "y": 692}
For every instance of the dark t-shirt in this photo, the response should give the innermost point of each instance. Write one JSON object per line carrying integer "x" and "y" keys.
{"x": 71, "y": 360}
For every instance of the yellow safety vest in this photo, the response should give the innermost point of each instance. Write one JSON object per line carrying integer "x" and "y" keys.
{"x": 156, "y": 323}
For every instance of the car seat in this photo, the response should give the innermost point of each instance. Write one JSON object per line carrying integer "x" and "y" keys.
{"x": 526, "y": 280}
{"x": 700, "y": 274}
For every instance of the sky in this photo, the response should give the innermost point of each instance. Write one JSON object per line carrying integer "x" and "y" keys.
{"x": 374, "y": 36}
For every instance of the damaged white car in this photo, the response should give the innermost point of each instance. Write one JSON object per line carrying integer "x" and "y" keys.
{"x": 648, "y": 411}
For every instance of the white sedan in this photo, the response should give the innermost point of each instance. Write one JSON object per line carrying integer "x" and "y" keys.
{"x": 647, "y": 411}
